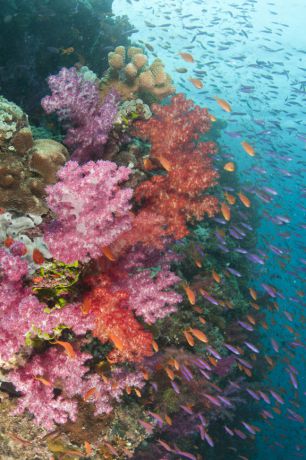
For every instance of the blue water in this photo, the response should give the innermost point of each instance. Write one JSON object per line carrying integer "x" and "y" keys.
{"x": 254, "y": 56}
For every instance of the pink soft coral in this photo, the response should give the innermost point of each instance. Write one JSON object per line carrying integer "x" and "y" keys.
{"x": 91, "y": 209}
{"x": 55, "y": 369}
{"x": 21, "y": 312}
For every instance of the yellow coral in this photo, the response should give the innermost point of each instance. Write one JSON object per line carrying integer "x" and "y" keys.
{"x": 115, "y": 60}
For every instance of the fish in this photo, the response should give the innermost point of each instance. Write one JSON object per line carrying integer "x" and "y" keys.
{"x": 223, "y": 104}
{"x": 187, "y": 57}
{"x": 67, "y": 51}
{"x": 67, "y": 347}
{"x": 89, "y": 393}
{"x": 216, "y": 277}
{"x": 107, "y": 252}
{"x": 197, "y": 83}
{"x": 230, "y": 198}
{"x": 244, "y": 200}
{"x": 116, "y": 341}
{"x": 230, "y": 166}
{"x": 226, "y": 212}
{"x": 88, "y": 448}
{"x": 189, "y": 338}
{"x": 37, "y": 257}
{"x": 147, "y": 164}
{"x": 165, "y": 163}
{"x": 181, "y": 69}
{"x": 190, "y": 294}
{"x": 199, "y": 335}
{"x": 248, "y": 148}
{"x": 155, "y": 346}
{"x": 146, "y": 425}
{"x": 232, "y": 348}
{"x": 251, "y": 347}
{"x": 43, "y": 380}
{"x": 253, "y": 293}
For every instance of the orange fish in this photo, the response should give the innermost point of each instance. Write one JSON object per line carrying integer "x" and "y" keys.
{"x": 189, "y": 338}
{"x": 89, "y": 393}
{"x": 37, "y": 257}
{"x": 67, "y": 51}
{"x": 187, "y": 57}
{"x": 251, "y": 319}
{"x": 170, "y": 373}
{"x": 165, "y": 163}
{"x": 138, "y": 393}
{"x": 145, "y": 373}
{"x": 67, "y": 346}
{"x": 230, "y": 198}
{"x": 198, "y": 263}
{"x": 116, "y": 341}
{"x": 168, "y": 420}
{"x": 212, "y": 360}
{"x": 226, "y": 212}
{"x": 253, "y": 293}
{"x": 128, "y": 390}
{"x": 155, "y": 346}
{"x": 248, "y": 148}
{"x": 196, "y": 83}
{"x": 88, "y": 448}
{"x": 230, "y": 166}
{"x": 202, "y": 320}
{"x": 212, "y": 117}
{"x": 42, "y": 380}
{"x": 199, "y": 335}
{"x": 147, "y": 164}
{"x": 223, "y": 104}
{"x": 190, "y": 294}
{"x": 216, "y": 277}
{"x": 107, "y": 252}
{"x": 245, "y": 200}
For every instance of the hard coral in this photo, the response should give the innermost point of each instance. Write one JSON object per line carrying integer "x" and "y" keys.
{"x": 26, "y": 166}
{"x": 77, "y": 103}
{"x": 91, "y": 209}
{"x": 132, "y": 77}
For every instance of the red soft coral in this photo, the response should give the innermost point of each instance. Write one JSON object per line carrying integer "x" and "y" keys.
{"x": 178, "y": 196}
{"x": 115, "y": 322}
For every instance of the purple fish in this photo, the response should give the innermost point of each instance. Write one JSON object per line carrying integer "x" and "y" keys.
{"x": 225, "y": 401}
{"x": 234, "y": 272}
{"x": 248, "y": 428}
{"x": 264, "y": 397}
{"x": 187, "y": 409}
{"x": 213, "y": 400}
{"x": 208, "y": 297}
{"x": 275, "y": 345}
{"x": 241, "y": 250}
{"x": 255, "y": 258}
{"x": 213, "y": 352}
{"x": 269, "y": 289}
{"x": 245, "y": 363}
{"x": 253, "y": 394}
{"x": 293, "y": 380}
{"x": 239, "y": 433}
{"x": 200, "y": 363}
{"x": 277, "y": 397}
{"x": 251, "y": 347}
{"x": 175, "y": 387}
{"x": 208, "y": 439}
{"x": 267, "y": 414}
{"x": 276, "y": 250}
{"x": 232, "y": 348}
{"x": 184, "y": 454}
{"x": 228, "y": 430}
{"x": 246, "y": 326}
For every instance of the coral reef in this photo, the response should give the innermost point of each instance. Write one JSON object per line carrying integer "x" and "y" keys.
{"x": 26, "y": 165}
{"x": 130, "y": 74}
{"x": 125, "y": 320}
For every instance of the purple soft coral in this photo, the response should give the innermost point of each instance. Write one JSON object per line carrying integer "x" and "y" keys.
{"x": 91, "y": 209}
{"x": 78, "y": 105}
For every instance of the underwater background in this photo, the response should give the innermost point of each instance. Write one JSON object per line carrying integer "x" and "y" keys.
{"x": 229, "y": 274}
